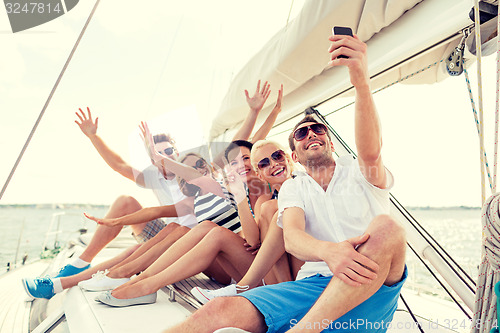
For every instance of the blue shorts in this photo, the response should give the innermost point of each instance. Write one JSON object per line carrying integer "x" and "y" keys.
{"x": 284, "y": 304}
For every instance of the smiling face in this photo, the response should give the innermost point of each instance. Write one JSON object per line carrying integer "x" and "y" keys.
{"x": 273, "y": 165}
{"x": 314, "y": 149}
{"x": 239, "y": 163}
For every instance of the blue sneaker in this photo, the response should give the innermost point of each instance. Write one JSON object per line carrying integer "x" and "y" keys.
{"x": 39, "y": 287}
{"x": 69, "y": 270}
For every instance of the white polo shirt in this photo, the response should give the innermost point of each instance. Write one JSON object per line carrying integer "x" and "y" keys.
{"x": 168, "y": 193}
{"x": 341, "y": 212}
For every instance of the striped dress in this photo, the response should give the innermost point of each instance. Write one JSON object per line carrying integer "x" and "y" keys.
{"x": 219, "y": 210}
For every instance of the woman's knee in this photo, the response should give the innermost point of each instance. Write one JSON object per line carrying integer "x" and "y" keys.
{"x": 205, "y": 226}
{"x": 169, "y": 228}
{"x": 269, "y": 208}
{"x": 219, "y": 235}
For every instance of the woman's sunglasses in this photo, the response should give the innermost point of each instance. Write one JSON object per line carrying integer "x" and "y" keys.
{"x": 278, "y": 156}
{"x": 168, "y": 151}
{"x": 200, "y": 164}
{"x": 301, "y": 133}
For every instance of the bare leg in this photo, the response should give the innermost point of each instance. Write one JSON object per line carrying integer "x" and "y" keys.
{"x": 266, "y": 215}
{"x": 386, "y": 246}
{"x": 218, "y": 241}
{"x": 141, "y": 261}
{"x": 269, "y": 257}
{"x": 123, "y": 205}
{"x": 149, "y": 244}
{"x": 223, "y": 312}
{"x": 71, "y": 281}
{"x": 295, "y": 265}
{"x": 177, "y": 250}
{"x": 268, "y": 210}
{"x": 217, "y": 271}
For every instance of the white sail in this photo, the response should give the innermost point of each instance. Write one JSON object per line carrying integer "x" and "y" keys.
{"x": 393, "y": 30}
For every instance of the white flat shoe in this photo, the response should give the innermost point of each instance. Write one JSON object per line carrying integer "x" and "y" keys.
{"x": 108, "y": 299}
{"x": 101, "y": 282}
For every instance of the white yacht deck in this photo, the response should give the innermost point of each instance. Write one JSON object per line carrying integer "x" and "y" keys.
{"x": 84, "y": 314}
{"x": 14, "y": 309}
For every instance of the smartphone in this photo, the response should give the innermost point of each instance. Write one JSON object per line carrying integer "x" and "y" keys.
{"x": 346, "y": 31}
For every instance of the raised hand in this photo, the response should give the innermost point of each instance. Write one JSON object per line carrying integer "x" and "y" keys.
{"x": 147, "y": 138}
{"x": 257, "y": 101}
{"x": 355, "y": 50}
{"x": 277, "y": 106}
{"x": 349, "y": 265}
{"x": 86, "y": 124}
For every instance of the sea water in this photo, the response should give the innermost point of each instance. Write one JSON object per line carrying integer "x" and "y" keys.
{"x": 458, "y": 230}
{"x": 23, "y": 229}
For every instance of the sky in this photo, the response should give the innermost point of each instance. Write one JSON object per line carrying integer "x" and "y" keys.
{"x": 170, "y": 63}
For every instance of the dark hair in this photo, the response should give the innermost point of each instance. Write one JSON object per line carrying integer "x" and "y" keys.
{"x": 188, "y": 189}
{"x": 163, "y": 137}
{"x": 235, "y": 144}
{"x": 306, "y": 119}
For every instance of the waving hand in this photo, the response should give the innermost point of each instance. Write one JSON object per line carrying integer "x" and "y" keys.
{"x": 86, "y": 124}
{"x": 257, "y": 101}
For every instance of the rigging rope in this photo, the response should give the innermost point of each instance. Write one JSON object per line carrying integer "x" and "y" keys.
{"x": 440, "y": 282}
{"x": 489, "y": 269}
{"x": 471, "y": 284}
{"x": 485, "y": 310}
{"x": 480, "y": 97}
{"x": 39, "y": 119}
{"x": 478, "y": 126}
{"x": 411, "y": 314}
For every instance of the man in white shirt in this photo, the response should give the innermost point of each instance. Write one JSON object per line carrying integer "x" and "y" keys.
{"x": 335, "y": 219}
{"x": 163, "y": 184}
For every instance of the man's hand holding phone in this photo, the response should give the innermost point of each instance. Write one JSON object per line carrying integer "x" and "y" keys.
{"x": 343, "y": 31}
{"x": 348, "y": 50}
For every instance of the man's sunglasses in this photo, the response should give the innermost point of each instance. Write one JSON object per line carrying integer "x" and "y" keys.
{"x": 301, "y": 133}
{"x": 278, "y": 156}
{"x": 168, "y": 151}
{"x": 200, "y": 164}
